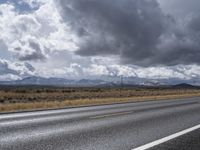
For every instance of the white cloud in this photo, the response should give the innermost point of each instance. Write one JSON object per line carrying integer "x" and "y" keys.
{"x": 15, "y": 70}
{"x": 96, "y": 70}
{"x": 74, "y": 70}
{"x": 9, "y": 77}
{"x": 42, "y": 27}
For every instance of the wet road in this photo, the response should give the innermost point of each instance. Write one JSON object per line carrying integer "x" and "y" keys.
{"x": 107, "y": 127}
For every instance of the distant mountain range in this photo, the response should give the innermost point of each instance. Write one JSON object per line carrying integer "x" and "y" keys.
{"x": 105, "y": 82}
{"x": 53, "y": 81}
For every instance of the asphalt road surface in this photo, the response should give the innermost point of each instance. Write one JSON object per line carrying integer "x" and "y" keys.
{"x": 108, "y": 127}
{"x": 190, "y": 141}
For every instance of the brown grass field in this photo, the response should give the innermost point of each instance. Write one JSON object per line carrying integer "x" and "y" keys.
{"x": 34, "y": 98}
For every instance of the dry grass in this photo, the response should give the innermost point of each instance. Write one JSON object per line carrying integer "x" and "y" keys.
{"x": 38, "y": 94}
{"x": 7, "y": 107}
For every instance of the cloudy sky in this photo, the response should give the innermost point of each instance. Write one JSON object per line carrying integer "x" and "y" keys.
{"x": 157, "y": 39}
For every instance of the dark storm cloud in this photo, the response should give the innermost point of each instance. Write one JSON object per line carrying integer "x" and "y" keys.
{"x": 181, "y": 45}
{"x": 194, "y": 23}
{"x": 136, "y": 30}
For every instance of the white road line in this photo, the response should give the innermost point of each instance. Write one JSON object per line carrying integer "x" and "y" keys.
{"x": 111, "y": 115}
{"x": 165, "y": 139}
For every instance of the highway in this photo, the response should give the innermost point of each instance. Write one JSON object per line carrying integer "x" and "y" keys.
{"x": 190, "y": 141}
{"x": 108, "y": 127}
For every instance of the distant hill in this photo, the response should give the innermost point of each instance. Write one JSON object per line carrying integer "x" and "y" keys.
{"x": 186, "y": 86}
{"x": 90, "y": 82}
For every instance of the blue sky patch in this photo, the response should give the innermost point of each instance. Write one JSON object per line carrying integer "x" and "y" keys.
{"x": 20, "y": 6}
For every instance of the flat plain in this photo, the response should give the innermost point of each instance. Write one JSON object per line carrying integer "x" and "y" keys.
{"x": 18, "y": 98}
